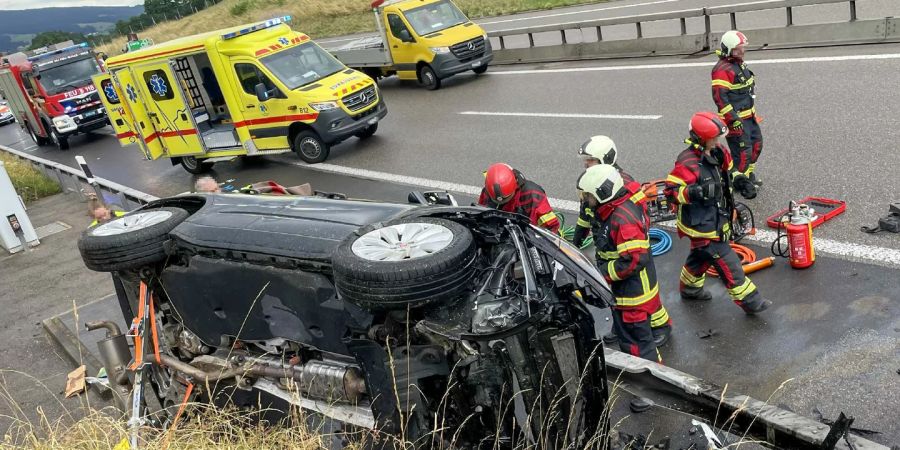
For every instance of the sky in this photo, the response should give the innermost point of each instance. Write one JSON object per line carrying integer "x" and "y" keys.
{"x": 29, "y": 4}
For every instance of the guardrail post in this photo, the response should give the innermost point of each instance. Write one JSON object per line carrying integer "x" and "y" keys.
{"x": 683, "y": 26}
{"x": 707, "y": 29}
{"x": 733, "y": 20}
{"x": 562, "y": 34}
{"x": 502, "y": 44}
{"x": 790, "y": 16}
{"x": 599, "y": 35}
{"x": 530, "y": 40}
{"x": 639, "y": 32}
{"x": 853, "y": 10}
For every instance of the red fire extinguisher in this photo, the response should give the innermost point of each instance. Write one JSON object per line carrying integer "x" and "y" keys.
{"x": 798, "y": 227}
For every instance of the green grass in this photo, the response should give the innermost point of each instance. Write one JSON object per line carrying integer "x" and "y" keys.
{"x": 317, "y": 18}
{"x": 28, "y": 182}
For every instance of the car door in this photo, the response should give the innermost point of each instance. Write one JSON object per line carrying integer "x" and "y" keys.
{"x": 266, "y": 121}
{"x": 169, "y": 111}
{"x": 133, "y": 99}
{"x": 402, "y": 45}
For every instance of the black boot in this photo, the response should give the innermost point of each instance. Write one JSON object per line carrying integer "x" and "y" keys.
{"x": 661, "y": 335}
{"x": 755, "y": 180}
{"x": 755, "y": 307}
{"x": 695, "y": 294}
{"x": 745, "y": 186}
{"x": 611, "y": 337}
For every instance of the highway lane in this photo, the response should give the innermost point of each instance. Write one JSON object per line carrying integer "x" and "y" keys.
{"x": 828, "y": 127}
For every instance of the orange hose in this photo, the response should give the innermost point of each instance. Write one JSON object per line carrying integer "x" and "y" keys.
{"x": 746, "y": 255}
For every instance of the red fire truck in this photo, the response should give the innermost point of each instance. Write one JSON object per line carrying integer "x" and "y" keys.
{"x": 51, "y": 93}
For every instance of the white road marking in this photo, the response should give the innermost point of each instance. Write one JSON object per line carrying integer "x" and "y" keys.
{"x": 569, "y": 13}
{"x": 751, "y": 62}
{"x": 29, "y": 148}
{"x": 878, "y": 255}
{"x": 563, "y": 116}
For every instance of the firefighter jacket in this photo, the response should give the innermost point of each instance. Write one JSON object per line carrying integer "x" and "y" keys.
{"x": 733, "y": 87}
{"x": 623, "y": 251}
{"x": 586, "y": 215}
{"x": 529, "y": 201}
{"x": 698, "y": 217}
{"x": 114, "y": 215}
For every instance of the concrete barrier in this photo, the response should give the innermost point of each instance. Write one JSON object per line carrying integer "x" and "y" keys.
{"x": 853, "y": 31}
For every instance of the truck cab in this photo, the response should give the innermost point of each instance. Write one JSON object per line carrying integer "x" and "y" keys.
{"x": 251, "y": 90}
{"x": 56, "y": 86}
{"x": 422, "y": 40}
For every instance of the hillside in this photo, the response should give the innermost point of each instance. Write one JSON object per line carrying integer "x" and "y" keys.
{"x": 17, "y": 27}
{"x": 318, "y": 18}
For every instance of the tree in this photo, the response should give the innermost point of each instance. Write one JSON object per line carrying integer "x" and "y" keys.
{"x": 53, "y": 37}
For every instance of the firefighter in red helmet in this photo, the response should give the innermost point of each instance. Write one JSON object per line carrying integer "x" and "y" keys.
{"x": 507, "y": 189}
{"x": 700, "y": 184}
{"x": 733, "y": 91}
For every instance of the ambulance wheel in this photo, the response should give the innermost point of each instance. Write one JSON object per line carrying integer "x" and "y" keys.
{"x": 310, "y": 147}
{"x": 368, "y": 131}
{"x": 60, "y": 142}
{"x": 428, "y": 79}
{"x": 194, "y": 165}
{"x": 480, "y": 69}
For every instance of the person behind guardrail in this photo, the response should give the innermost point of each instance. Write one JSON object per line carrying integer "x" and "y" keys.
{"x": 623, "y": 249}
{"x": 700, "y": 185}
{"x": 602, "y": 150}
{"x": 734, "y": 93}
{"x": 507, "y": 189}
{"x": 100, "y": 212}
{"x": 208, "y": 184}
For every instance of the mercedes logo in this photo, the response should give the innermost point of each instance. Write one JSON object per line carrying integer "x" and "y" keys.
{"x": 471, "y": 46}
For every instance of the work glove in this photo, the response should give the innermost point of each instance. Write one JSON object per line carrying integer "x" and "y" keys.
{"x": 707, "y": 192}
{"x": 736, "y": 128}
{"x": 581, "y": 233}
{"x": 744, "y": 186}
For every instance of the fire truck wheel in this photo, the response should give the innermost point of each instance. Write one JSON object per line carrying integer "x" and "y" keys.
{"x": 61, "y": 142}
{"x": 194, "y": 165}
{"x": 129, "y": 242}
{"x": 40, "y": 141}
{"x": 310, "y": 147}
{"x": 428, "y": 78}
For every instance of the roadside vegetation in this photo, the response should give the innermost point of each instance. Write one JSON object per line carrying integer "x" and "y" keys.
{"x": 29, "y": 183}
{"x": 318, "y": 18}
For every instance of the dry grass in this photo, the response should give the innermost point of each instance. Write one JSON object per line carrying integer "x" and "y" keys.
{"x": 27, "y": 181}
{"x": 318, "y": 18}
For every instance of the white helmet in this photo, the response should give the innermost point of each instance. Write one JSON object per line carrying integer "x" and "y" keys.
{"x": 730, "y": 40}
{"x": 602, "y": 181}
{"x": 601, "y": 148}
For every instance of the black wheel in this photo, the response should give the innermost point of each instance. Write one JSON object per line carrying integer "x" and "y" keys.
{"x": 40, "y": 141}
{"x": 61, "y": 142}
{"x": 310, "y": 147}
{"x": 131, "y": 241}
{"x": 428, "y": 79}
{"x": 480, "y": 69}
{"x": 368, "y": 132}
{"x": 415, "y": 262}
{"x": 194, "y": 165}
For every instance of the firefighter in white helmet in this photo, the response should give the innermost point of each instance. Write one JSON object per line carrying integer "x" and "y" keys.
{"x": 733, "y": 91}
{"x": 624, "y": 258}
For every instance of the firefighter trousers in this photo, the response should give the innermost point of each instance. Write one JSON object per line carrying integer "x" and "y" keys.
{"x": 746, "y": 147}
{"x": 705, "y": 253}
{"x": 635, "y": 336}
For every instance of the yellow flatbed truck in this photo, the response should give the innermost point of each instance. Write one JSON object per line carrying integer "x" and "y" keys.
{"x": 251, "y": 90}
{"x": 423, "y": 40}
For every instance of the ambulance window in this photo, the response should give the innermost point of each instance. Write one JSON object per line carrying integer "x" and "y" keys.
{"x": 109, "y": 91}
{"x": 398, "y": 28}
{"x": 158, "y": 85}
{"x": 249, "y": 76}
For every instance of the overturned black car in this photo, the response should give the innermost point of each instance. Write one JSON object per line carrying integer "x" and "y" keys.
{"x": 440, "y": 326}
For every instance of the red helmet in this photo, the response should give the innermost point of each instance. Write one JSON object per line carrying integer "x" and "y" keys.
{"x": 500, "y": 183}
{"x": 707, "y": 125}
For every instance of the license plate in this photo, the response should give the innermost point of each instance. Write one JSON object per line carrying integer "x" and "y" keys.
{"x": 89, "y": 114}
{"x": 373, "y": 121}
{"x": 476, "y": 63}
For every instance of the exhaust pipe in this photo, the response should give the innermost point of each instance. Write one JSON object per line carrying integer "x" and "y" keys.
{"x": 115, "y": 355}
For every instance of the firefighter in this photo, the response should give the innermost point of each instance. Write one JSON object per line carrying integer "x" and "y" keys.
{"x": 733, "y": 91}
{"x": 507, "y": 189}
{"x": 625, "y": 261}
{"x": 700, "y": 185}
{"x": 602, "y": 150}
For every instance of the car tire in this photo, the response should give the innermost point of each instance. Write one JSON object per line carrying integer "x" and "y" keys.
{"x": 368, "y": 132}
{"x": 194, "y": 165}
{"x": 480, "y": 69}
{"x": 428, "y": 78}
{"x": 375, "y": 274}
{"x": 129, "y": 242}
{"x": 310, "y": 147}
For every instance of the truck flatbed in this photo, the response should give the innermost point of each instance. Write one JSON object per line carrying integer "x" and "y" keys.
{"x": 368, "y": 51}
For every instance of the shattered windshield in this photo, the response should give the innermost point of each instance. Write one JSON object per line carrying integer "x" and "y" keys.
{"x": 301, "y": 65}
{"x": 435, "y": 17}
{"x": 68, "y": 76}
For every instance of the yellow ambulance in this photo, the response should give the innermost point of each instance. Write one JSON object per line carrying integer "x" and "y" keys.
{"x": 251, "y": 90}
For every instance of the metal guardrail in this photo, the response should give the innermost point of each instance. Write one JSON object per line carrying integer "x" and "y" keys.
{"x": 74, "y": 181}
{"x": 852, "y": 31}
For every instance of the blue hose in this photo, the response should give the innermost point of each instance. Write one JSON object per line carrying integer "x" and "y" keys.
{"x": 660, "y": 241}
